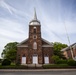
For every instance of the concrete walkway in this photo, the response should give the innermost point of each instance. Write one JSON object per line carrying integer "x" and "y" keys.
{"x": 28, "y": 70}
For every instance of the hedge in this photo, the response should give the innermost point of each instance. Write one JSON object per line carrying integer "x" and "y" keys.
{"x": 71, "y": 62}
{"x": 13, "y": 67}
{"x": 48, "y": 66}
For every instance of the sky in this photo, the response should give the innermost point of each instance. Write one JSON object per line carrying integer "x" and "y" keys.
{"x": 57, "y": 18}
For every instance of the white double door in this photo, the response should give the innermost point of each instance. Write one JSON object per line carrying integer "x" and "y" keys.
{"x": 35, "y": 59}
{"x": 46, "y": 60}
{"x": 23, "y": 60}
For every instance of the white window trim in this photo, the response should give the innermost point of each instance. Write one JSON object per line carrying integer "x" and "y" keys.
{"x": 46, "y": 59}
{"x": 23, "y": 60}
{"x": 36, "y": 57}
{"x": 34, "y": 45}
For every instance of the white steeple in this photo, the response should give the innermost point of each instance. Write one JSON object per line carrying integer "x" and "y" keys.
{"x": 35, "y": 20}
{"x": 35, "y": 16}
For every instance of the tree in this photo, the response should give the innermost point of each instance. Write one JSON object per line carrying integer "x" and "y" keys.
{"x": 9, "y": 51}
{"x": 57, "y": 49}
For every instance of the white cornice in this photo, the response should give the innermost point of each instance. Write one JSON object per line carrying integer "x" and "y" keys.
{"x": 47, "y": 46}
{"x": 23, "y": 46}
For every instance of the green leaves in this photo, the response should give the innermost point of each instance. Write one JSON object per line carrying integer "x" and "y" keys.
{"x": 57, "y": 49}
{"x": 10, "y": 51}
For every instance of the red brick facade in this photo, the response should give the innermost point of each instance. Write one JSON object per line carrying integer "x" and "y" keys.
{"x": 35, "y": 49}
{"x": 70, "y": 52}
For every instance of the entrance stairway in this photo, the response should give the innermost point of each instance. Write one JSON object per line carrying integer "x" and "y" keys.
{"x": 34, "y": 66}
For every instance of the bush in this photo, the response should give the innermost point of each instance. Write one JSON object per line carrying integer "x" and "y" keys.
{"x": 55, "y": 58}
{"x": 49, "y": 66}
{"x": 61, "y": 61}
{"x": 71, "y": 62}
{"x": 0, "y": 60}
{"x": 6, "y": 62}
{"x": 13, "y": 67}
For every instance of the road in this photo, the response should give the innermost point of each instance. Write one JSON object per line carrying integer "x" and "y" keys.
{"x": 38, "y": 72}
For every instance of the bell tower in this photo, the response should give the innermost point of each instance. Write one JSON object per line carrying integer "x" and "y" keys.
{"x": 35, "y": 43}
{"x": 34, "y": 28}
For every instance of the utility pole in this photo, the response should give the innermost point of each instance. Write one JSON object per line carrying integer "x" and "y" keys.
{"x": 68, "y": 40}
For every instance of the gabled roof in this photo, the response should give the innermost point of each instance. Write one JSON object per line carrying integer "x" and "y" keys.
{"x": 25, "y": 43}
{"x": 21, "y": 44}
{"x": 48, "y": 44}
{"x": 67, "y": 48}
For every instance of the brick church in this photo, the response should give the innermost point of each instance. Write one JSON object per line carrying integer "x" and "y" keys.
{"x": 35, "y": 49}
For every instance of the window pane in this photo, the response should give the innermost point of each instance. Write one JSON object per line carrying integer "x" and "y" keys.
{"x": 34, "y": 30}
{"x": 34, "y": 45}
{"x": 46, "y": 60}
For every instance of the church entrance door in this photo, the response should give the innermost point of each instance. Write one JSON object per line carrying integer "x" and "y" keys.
{"x": 35, "y": 59}
{"x": 46, "y": 60}
{"x": 23, "y": 60}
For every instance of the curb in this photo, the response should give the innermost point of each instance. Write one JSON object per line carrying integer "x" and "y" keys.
{"x": 42, "y": 70}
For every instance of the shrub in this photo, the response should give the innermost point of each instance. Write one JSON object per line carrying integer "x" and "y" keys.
{"x": 71, "y": 62}
{"x": 55, "y": 58}
{"x": 49, "y": 66}
{"x": 6, "y": 62}
{"x": 61, "y": 61}
{"x": 0, "y": 60}
{"x": 13, "y": 67}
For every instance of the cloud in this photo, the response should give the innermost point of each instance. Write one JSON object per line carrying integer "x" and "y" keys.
{"x": 11, "y": 28}
{"x": 6, "y": 6}
{"x": 13, "y": 10}
{"x": 10, "y": 31}
{"x": 54, "y": 30}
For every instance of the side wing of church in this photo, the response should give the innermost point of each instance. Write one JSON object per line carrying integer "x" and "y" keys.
{"x": 35, "y": 49}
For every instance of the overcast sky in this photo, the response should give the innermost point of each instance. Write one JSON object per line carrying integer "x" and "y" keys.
{"x": 56, "y": 16}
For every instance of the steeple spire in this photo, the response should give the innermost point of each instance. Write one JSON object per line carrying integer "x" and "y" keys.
{"x": 35, "y": 21}
{"x": 35, "y": 16}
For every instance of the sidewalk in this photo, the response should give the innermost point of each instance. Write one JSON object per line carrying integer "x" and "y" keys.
{"x": 28, "y": 70}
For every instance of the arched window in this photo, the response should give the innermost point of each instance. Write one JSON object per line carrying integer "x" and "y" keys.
{"x": 34, "y": 45}
{"x": 23, "y": 55}
{"x": 34, "y": 29}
